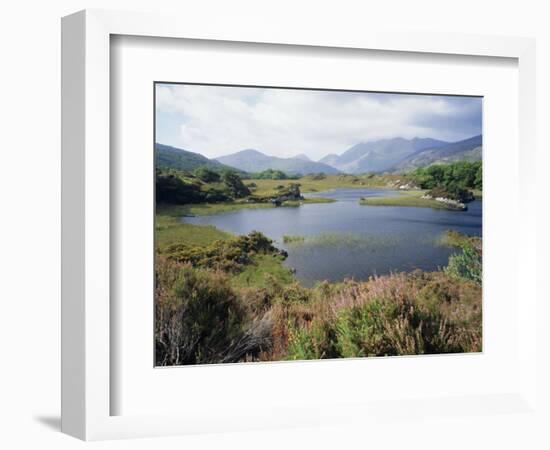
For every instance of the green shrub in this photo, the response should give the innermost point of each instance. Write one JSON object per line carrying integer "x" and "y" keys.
{"x": 235, "y": 185}
{"x": 309, "y": 342}
{"x": 198, "y": 317}
{"x": 215, "y": 196}
{"x": 466, "y": 265}
{"x": 170, "y": 188}
{"x": 453, "y": 178}
{"x": 452, "y": 191}
{"x": 207, "y": 175}
{"x": 229, "y": 255}
{"x": 271, "y": 174}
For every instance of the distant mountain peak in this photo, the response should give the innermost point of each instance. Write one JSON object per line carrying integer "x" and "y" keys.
{"x": 302, "y": 156}
{"x": 469, "y": 149}
{"x": 250, "y": 151}
{"x": 251, "y": 160}
{"x": 378, "y": 155}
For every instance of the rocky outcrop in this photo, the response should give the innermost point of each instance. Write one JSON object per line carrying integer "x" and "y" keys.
{"x": 449, "y": 202}
{"x": 292, "y": 192}
{"x": 403, "y": 185}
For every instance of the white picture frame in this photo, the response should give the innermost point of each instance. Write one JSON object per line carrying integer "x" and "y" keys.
{"x": 86, "y": 220}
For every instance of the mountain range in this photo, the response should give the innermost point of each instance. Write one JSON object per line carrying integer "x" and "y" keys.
{"x": 380, "y": 155}
{"x": 384, "y": 155}
{"x": 466, "y": 150}
{"x": 254, "y": 161}
{"x": 399, "y": 154}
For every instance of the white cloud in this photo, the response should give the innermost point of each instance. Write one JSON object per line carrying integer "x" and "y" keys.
{"x": 215, "y": 120}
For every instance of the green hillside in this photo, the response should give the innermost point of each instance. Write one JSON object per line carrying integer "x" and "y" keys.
{"x": 167, "y": 157}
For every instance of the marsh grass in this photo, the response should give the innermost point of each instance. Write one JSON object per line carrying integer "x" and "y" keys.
{"x": 289, "y": 239}
{"x": 348, "y": 240}
{"x": 451, "y": 238}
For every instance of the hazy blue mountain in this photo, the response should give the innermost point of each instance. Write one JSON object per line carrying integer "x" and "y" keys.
{"x": 176, "y": 158}
{"x": 330, "y": 159}
{"x": 254, "y": 161}
{"x": 467, "y": 150}
{"x": 380, "y": 155}
{"x": 302, "y": 156}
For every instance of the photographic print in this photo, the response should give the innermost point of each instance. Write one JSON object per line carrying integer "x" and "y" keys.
{"x": 305, "y": 224}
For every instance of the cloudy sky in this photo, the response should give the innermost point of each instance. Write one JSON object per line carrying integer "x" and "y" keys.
{"x": 216, "y": 120}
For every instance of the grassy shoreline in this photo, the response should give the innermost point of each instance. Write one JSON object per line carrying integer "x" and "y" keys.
{"x": 170, "y": 230}
{"x": 412, "y": 198}
{"x": 207, "y": 209}
{"x": 309, "y": 184}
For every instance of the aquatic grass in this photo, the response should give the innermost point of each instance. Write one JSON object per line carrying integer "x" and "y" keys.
{"x": 319, "y": 200}
{"x": 288, "y": 239}
{"x": 339, "y": 240}
{"x": 452, "y": 238}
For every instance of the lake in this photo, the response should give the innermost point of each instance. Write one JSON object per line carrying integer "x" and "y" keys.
{"x": 344, "y": 239}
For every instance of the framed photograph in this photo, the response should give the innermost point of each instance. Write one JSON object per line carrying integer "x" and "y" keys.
{"x": 266, "y": 228}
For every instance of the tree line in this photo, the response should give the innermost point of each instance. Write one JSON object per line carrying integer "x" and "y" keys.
{"x": 203, "y": 185}
{"x": 451, "y": 180}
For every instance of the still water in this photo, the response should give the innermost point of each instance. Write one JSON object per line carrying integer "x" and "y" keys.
{"x": 344, "y": 239}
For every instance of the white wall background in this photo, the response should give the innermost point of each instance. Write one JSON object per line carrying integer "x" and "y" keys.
{"x": 30, "y": 197}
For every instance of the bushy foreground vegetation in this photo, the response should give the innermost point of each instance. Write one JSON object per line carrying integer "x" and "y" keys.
{"x": 204, "y": 316}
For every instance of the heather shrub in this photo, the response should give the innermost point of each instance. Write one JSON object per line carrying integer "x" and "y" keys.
{"x": 389, "y": 327}
{"x": 294, "y": 293}
{"x": 417, "y": 313}
{"x": 199, "y": 318}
